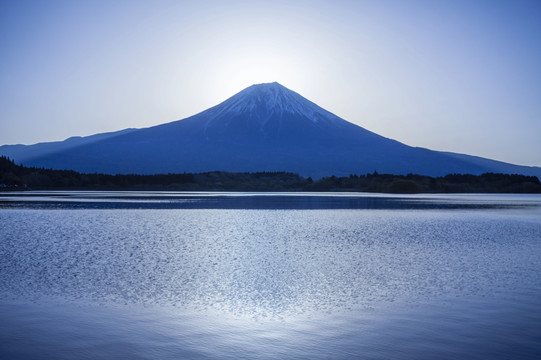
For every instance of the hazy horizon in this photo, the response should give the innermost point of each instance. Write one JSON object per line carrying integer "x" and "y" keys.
{"x": 458, "y": 76}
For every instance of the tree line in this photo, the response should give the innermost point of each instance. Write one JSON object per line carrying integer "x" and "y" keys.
{"x": 18, "y": 177}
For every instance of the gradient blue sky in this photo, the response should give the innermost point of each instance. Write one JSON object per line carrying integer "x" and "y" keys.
{"x": 461, "y": 76}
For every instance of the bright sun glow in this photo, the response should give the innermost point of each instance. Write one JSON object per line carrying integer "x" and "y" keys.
{"x": 237, "y": 72}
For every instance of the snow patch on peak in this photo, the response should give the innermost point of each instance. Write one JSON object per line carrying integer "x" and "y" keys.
{"x": 266, "y": 100}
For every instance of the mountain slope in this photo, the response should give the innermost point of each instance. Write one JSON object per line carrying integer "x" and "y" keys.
{"x": 265, "y": 127}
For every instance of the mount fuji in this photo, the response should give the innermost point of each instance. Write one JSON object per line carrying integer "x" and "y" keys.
{"x": 265, "y": 127}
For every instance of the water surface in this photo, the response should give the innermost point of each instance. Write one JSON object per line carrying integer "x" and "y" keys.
{"x": 262, "y": 275}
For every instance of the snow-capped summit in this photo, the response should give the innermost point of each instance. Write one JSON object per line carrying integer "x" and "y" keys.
{"x": 269, "y": 107}
{"x": 263, "y": 113}
{"x": 265, "y": 127}
{"x": 271, "y": 98}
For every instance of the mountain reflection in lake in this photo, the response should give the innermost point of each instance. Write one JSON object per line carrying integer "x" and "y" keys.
{"x": 223, "y": 275}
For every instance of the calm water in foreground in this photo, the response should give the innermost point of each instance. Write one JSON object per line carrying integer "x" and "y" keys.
{"x": 157, "y": 275}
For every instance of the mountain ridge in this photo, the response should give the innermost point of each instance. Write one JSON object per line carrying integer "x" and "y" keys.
{"x": 265, "y": 127}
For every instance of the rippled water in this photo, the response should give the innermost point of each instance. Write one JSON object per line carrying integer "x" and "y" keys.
{"x": 207, "y": 275}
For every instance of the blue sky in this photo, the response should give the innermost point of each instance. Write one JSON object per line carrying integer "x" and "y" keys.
{"x": 461, "y": 76}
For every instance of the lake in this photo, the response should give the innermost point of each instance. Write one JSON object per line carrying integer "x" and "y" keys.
{"x": 170, "y": 275}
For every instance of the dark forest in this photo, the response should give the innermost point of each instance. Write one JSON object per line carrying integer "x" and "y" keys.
{"x": 18, "y": 177}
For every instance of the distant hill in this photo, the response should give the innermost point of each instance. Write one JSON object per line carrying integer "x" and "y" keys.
{"x": 264, "y": 128}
